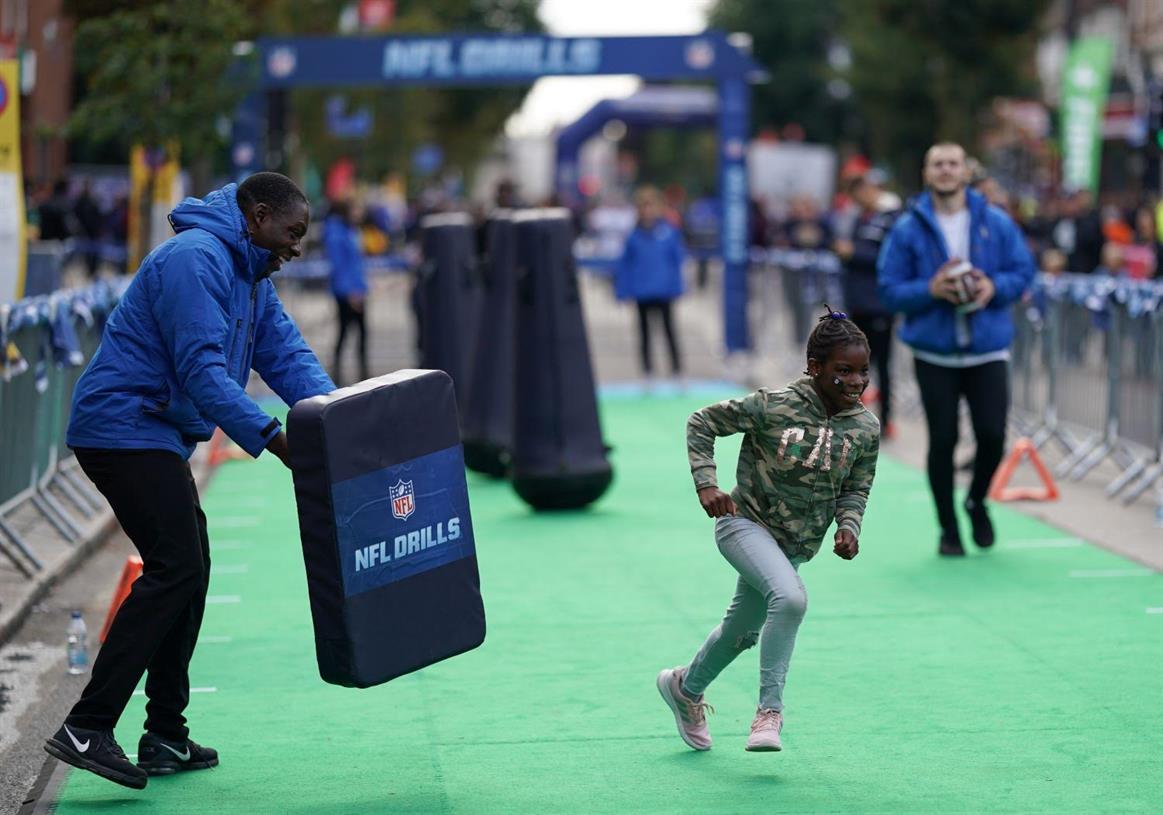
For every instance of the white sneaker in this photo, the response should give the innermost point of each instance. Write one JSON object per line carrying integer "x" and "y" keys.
{"x": 765, "y": 731}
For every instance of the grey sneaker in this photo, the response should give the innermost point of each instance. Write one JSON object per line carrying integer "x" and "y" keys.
{"x": 765, "y": 729}
{"x": 690, "y": 715}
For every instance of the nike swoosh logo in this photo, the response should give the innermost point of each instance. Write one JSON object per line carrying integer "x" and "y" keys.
{"x": 181, "y": 756}
{"x": 81, "y": 746}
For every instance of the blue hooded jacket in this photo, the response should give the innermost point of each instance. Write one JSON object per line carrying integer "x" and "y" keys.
{"x": 651, "y": 264}
{"x": 178, "y": 349}
{"x": 341, "y": 245}
{"x": 915, "y": 249}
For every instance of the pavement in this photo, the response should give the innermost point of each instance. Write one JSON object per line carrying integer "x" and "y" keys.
{"x": 34, "y": 692}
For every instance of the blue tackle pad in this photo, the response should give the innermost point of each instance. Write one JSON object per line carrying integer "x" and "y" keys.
{"x": 385, "y": 525}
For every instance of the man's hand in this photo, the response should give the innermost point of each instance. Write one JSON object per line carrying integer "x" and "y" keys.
{"x": 943, "y": 286}
{"x": 278, "y": 446}
{"x": 843, "y": 248}
{"x": 984, "y": 288}
{"x": 716, "y": 503}
{"x": 846, "y": 545}
{"x": 356, "y": 302}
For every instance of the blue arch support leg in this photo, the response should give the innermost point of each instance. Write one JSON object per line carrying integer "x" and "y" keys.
{"x": 734, "y": 113}
{"x": 247, "y": 143}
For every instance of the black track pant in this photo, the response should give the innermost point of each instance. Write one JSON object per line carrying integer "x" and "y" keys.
{"x": 348, "y": 317}
{"x": 986, "y": 389}
{"x": 661, "y": 308}
{"x": 878, "y": 329}
{"x": 154, "y": 497}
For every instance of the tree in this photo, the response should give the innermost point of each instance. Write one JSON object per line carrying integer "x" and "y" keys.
{"x": 156, "y": 75}
{"x": 792, "y": 39}
{"x": 919, "y": 70}
{"x": 928, "y": 71}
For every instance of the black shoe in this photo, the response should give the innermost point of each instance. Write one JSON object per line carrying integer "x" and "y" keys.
{"x": 950, "y": 546}
{"x": 158, "y": 756}
{"x": 97, "y": 752}
{"x": 983, "y": 534}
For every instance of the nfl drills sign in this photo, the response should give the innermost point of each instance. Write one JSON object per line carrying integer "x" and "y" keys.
{"x": 400, "y": 521}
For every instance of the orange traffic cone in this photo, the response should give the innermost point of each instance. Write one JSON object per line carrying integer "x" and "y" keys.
{"x": 223, "y": 449}
{"x": 130, "y": 572}
{"x": 998, "y": 490}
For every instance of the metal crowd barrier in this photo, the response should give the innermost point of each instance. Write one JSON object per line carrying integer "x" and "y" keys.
{"x": 1087, "y": 364}
{"x": 44, "y": 344}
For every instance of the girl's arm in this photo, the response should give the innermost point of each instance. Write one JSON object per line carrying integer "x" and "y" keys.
{"x": 854, "y": 491}
{"x": 723, "y": 419}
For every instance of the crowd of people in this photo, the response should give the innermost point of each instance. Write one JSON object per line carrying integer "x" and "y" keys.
{"x": 71, "y": 211}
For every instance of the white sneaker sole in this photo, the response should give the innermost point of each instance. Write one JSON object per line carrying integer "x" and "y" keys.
{"x": 663, "y": 683}
{"x": 764, "y": 748}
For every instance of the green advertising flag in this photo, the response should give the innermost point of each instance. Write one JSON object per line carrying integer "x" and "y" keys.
{"x": 1084, "y": 91}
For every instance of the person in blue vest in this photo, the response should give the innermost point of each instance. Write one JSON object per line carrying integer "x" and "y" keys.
{"x": 955, "y": 266}
{"x": 341, "y": 244}
{"x": 650, "y": 273}
{"x": 173, "y": 363}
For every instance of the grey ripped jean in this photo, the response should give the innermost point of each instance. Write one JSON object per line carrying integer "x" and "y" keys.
{"x": 768, "y": 606}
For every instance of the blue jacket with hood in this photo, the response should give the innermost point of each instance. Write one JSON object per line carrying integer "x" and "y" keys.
{"x": 915, "y": 249}
{"x": 341, "y": 245}
{"x": 178, "y": 349}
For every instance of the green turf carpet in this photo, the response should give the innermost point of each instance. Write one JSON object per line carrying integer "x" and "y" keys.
{"x": 1028, "y": 679}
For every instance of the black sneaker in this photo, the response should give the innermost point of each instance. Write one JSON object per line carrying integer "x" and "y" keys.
{"x": 97, "y": 752}
{"x": 983, "y": 534}
{"x": 158, "y": 756}
{"x": 950, "y": 545}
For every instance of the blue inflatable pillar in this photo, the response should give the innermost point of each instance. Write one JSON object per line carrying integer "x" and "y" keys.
{"x": 734, "y": 113}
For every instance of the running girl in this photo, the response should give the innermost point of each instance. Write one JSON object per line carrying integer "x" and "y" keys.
{"x": 808, "y": 458}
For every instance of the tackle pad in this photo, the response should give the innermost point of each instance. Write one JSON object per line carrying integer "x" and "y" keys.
{"x": 385, "y": 526}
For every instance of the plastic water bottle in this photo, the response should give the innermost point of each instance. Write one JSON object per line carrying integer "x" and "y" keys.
{"x": 78, "y": 644}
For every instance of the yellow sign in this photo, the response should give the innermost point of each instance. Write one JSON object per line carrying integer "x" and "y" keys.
{"x": 13, "y": 250}
{"x": 166, "y": 192}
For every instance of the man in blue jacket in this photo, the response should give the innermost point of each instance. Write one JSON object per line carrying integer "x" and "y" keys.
{"x": 173, "y": 363}
{"x": 955, "y": 266}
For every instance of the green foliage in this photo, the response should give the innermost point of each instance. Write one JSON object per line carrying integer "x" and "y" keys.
{"x": 920, "y": 70}
{"x": 156, "y": 72}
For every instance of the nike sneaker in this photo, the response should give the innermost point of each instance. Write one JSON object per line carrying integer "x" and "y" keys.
{"x": 690, "y": 715}
{"x": 97, "y": 752}
{"x": 158, "y": 756}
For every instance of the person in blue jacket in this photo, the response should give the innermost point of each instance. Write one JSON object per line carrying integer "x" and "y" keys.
{"x": 650, "y": 273}
{"x": 341, "y": 244}
{"x": 173, "y": 363}
{"x": 955, "y": 266}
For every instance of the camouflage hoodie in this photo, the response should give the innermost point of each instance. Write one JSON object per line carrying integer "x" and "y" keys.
{"x": 799, "y": 469}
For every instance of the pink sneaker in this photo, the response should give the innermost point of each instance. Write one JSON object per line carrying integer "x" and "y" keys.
{"x": 765, "y": 729}
{"x": 690, "y": 715}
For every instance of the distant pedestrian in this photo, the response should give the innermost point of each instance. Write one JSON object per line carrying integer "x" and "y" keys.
{"x": 650, "y": 274}
{"x": 342, "y": 245}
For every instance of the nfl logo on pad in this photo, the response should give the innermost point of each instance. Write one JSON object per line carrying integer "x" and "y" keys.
{"x": 403, "y": 499}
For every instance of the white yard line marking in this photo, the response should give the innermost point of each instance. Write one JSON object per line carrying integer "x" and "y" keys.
{"x": 215, "y": 640}
{"x": 141, "y": 691}
{"x": 1044, "y": 543}
{"x": 222, "y": 599}
{"x": 1155, "y": 610}
{"x": 230, "y": 568}
{"x": 226, "y": 546}
{"x": 1111, "y": 573}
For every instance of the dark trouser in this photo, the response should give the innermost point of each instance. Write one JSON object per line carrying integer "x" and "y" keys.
{"x": 349, "y": 316}
{"x": 878, "y": 329}
{"x": 154, "y": 497}
{"x": 986, "y": 389}
{"x": 661, "y": 308}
